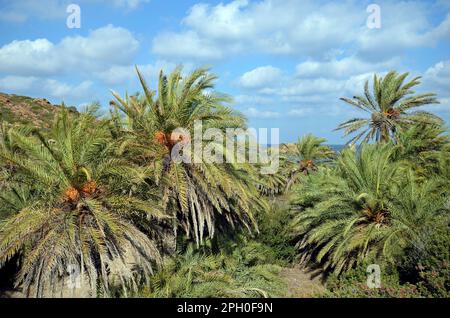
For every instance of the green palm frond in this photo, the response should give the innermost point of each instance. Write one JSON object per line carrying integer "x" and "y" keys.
{"x": 201, "y": 196}
{"x": 67, "y": 209}
{"x": 363, "y": 209}
{"x": 388, "y": 104}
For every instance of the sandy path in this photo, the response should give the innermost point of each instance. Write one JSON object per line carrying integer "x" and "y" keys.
{"x": 302, "y": 283}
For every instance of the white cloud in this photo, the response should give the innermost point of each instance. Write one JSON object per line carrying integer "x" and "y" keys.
{"x": 437, "y": 80}
{"x": 97, "y": 51}
{"x": 256, "y": 113}
{"x": 108, "y": 44}
{"x": 16, "y": 83}
{"x": 14, "y": 17}
{"x": 66, "y": 91}
{"x": 116, "y": 74}
{"x": 305, "y": 87}
{"x": 279, "y": 27}
{"x": 49, "y": 88}
{"x": 300, "y": 28}
{"x": 342, "y": 68}
{"x": 131, "y": 4}
{"x": 398, "y": 33}
{"x": 19, "y": 11}
{"x": 293, "y": 96}
{"x": 259, "y": 77}
{"x": 438, "y": 76}
{"x": 28, "y": 57}
{"x": 185, "y": 45}
{"x": 225, "y": 21}
{"x": 321, "y": 84}
{"x": 253, "y": 99}
{"x": 120, "y": 74}
{"x": 300, "y": 112}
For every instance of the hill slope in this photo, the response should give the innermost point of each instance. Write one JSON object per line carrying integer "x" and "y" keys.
{"x": 38, "y": 112}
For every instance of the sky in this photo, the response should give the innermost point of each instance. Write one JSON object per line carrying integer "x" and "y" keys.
{"x": 286, "y": 63}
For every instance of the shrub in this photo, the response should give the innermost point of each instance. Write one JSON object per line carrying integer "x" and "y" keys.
{"x": 244, "y": 273}
{"x": 428, "y": 264}
{"x": 353, "y": 284}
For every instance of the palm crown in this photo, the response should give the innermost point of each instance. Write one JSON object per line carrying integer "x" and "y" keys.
{"x": 201, "y": 195}
{"x": 388, "y": 105}
{"x": 366, "y": 209}
{"x": 73, "y": 215}
{"x": 305, "y": 156}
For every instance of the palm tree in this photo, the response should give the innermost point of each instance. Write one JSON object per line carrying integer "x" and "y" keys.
{"x": 305, "y": 156}
{"x": 422, "y": 146}
{"x": 200, "y": 195}
{"x": 388, "y": 106}
{"x": 365, "y": 211}
{"x": 71, "y": 213}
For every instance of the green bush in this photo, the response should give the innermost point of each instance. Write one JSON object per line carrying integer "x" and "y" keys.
{"x": 275, "y": 232}
{"x": 428, "y": 263}
{"x": 353, "y": 284}
{"x": 196, "y": 273}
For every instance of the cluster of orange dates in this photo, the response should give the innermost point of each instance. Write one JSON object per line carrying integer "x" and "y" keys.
{"x": 170, "y": 139}
{"x": 392, "y": 113}
{"x": 89, "y": 188}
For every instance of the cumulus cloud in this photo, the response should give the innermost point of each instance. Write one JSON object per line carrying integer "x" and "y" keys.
{"x": 299, "y": 28}
{"x": 259, "y": 77}
{"x": 50, "y": 88}
{"x": 279, "y": 27}
{"x": 342, "y": 68}
{"x": 120, "y": 74}
{"x": 412, "y": 29}
{"x": 437, "y": 79}
{"x": 186, "y": 45}
{"x": 294, "y": 96}
{"x": 16, "y": 83}
{"x": 438, "y": 75}
{"x": 72, "y": 69}
{"x": 97, "y": 51}
{"x": 64, "y": 91}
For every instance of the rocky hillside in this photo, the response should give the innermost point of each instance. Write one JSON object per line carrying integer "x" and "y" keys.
{"x": 38, "y": 112}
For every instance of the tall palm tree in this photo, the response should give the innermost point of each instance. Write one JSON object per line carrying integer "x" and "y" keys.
{"x": 200, "y": 195}
{"x": 305, "y": 156}
{"x": 75, "y": 215}
{"x": 388, "y": 106}
{"x": 365, "y": 211}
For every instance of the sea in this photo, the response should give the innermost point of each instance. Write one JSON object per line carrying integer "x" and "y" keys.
{"x": 337, "y": 148}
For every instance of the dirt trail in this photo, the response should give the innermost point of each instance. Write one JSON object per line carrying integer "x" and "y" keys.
{"x": 302, "y": 283}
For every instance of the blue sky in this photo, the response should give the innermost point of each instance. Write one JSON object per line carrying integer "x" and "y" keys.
{"x": 285, "y": 62}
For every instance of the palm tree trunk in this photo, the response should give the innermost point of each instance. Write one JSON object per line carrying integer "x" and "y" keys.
{"x": 169, "y": 239}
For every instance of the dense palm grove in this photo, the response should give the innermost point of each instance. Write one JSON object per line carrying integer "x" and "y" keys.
{"x": 102, "y": 195}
